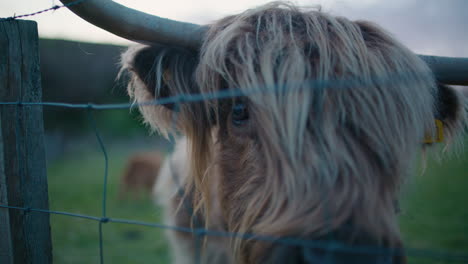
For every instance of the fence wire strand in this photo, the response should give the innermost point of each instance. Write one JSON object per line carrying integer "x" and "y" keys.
{"x": 104, "y": 218}
{"x": 199, "y": 233}
{"x": 53, "y": 8}
{"x": 316, "y": 244}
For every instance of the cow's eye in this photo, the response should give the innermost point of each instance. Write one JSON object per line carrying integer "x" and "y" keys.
{"x": 240, "y": 115}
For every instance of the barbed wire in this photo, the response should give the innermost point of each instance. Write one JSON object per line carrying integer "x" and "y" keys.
{"x": 53, "y": 8}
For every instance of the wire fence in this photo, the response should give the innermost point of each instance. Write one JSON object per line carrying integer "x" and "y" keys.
{"x": 200, "y": 233}
{"x": 53, "y": 8}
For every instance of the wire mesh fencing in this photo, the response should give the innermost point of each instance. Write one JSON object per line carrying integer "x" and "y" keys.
{"x": 199, "y": 232}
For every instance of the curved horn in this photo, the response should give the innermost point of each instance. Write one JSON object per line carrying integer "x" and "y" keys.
{"x": 137, "y": 26}
{"x": 141, "y": 27}
{"x": 448, "y": 70}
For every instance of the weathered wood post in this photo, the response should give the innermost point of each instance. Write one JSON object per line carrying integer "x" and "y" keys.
{"x": 24, "y": 234}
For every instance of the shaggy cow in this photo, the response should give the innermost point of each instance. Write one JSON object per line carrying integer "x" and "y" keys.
{"x": 326, "y": 119}
{"x": 140, "y": 174}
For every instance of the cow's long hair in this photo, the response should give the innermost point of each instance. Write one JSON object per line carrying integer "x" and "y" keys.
{"x": 338, "y": 110}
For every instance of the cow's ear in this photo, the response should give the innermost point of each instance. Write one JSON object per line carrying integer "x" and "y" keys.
{"x": 451, "y": 111}
{"x": 163, "y": 71}
{"x": 158, "y": 72}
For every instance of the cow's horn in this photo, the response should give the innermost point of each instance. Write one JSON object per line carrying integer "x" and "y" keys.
{"x": 448, "y": 70}
{"x": 137, "y": 26}
{"x": 141, "y": 27}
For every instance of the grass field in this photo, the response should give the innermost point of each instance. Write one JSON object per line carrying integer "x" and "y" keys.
{"x": 434, "y": 212}
{"x": 76, "y": 185}
{"x": 435, "y": 207}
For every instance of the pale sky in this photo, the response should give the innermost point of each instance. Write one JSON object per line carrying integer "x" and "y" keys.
{"x": 426, "y": 26}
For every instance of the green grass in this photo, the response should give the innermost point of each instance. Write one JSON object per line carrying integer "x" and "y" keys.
{"x": 435, "y": 208}
{"x": 75, "y": 185}
{"x": 434, "y": 212}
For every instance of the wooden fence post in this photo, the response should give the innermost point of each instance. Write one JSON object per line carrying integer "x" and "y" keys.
{"x": 24, "y": 234}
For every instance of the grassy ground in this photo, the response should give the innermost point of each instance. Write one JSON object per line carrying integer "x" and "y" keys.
{"x": 435, "y": 208}
{"x": 75, "y": 185}
{"x": 434, "y": 212}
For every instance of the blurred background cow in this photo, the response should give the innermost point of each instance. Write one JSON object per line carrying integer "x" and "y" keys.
{"x": 140, "y": 174}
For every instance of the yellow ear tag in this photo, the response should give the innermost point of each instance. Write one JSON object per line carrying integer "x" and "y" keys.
{"x": 439, "y": 133}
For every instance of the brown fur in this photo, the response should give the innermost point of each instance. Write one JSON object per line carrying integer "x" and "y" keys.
{"x": 337, "y": 112}
{"x": 140, "y": 174}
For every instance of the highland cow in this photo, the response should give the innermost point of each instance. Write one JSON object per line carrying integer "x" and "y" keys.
{"x": 140, "y": 174}
{"x": 325, "y": 120}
